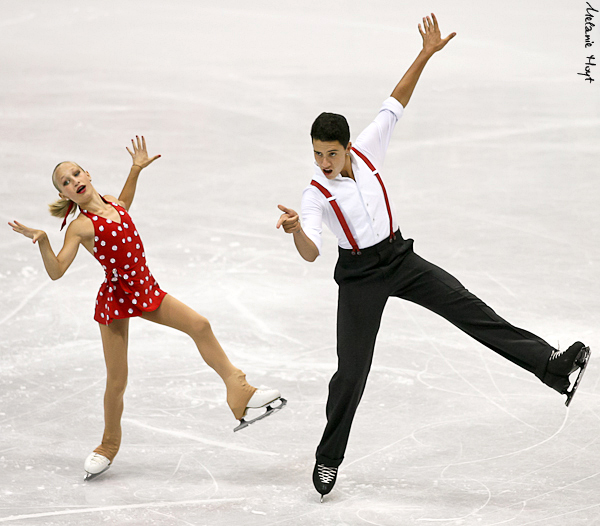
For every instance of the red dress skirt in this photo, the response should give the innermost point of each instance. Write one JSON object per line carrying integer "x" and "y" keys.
{"x": 129, "y": 288}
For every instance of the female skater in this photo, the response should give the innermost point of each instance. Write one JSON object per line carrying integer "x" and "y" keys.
{"x": 105, "y": 229}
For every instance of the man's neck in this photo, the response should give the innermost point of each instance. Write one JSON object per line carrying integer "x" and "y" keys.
{"x": 347, "y": 171}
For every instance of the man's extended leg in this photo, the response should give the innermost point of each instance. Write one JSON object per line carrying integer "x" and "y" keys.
{"x": 435, "y": 289}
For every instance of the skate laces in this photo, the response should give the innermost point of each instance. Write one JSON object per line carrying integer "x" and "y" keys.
{"x": 558, "y": 353}
{"x": 98, "y": 459}
{"x": 326, "y": 474}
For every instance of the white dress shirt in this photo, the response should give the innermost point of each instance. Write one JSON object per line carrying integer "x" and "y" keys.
{"x": 361, "y": 200}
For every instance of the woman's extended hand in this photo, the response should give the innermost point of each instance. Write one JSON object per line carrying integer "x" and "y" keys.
{"x": 31, "y": 233}
{"x": 139, "y": 155}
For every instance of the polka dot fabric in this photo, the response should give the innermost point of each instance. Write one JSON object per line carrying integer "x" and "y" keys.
{"x": 129, "y": 287}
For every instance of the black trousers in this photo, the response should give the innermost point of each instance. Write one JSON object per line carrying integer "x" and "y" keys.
{"x": 365, "y": 282}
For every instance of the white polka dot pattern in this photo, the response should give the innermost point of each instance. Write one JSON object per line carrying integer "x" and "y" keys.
{"x": 122, "y": 260}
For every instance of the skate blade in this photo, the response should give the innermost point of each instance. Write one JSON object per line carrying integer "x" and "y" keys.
{"x": 270, "y": 410}
{"x": 322, "y": 498}
{"x": 92, "y": 476}
{"x": 582, "y": 361}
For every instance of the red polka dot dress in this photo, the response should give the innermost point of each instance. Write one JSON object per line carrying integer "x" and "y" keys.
{"x": 129, "y": 288}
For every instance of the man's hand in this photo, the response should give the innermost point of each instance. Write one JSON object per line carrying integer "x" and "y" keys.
{"x": 289, "y": 220}
{"x": 432, "y": 38}
{"x": 432, "y": 42}
{"x": 139, "y": 155}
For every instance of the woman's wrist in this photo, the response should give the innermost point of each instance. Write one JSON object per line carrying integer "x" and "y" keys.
{"x": 41, "y": 239}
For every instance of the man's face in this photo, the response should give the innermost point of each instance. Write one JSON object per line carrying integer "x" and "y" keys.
{"x": 330, "y": 156}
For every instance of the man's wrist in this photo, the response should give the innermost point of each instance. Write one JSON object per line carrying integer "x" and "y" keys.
{"x": 427, "y": 54}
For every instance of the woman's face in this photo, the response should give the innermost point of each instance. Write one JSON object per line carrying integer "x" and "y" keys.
{"x": 73, "y": 182}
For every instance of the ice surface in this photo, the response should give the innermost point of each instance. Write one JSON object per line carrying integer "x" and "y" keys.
{"x": 494, "y": 169}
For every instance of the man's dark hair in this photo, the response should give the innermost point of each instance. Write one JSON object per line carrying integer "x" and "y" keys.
{"x": 331, "y": 127}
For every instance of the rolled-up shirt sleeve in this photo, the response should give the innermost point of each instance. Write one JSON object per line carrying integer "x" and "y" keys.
{"x": 312, "y": 216}
{"x": 375, "y": 138}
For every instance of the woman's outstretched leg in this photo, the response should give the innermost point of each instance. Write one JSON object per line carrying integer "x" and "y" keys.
{"x": 173, "y": 313}
{"x": 114, "y": 341}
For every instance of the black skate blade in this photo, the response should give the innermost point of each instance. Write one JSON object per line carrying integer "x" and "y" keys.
{"x": 270, "y": 410}
{"x": 582, "y": 361}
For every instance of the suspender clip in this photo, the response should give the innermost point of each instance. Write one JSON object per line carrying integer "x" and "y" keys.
{"x": 392, "y": 238}
{"x": 356, "y": 252}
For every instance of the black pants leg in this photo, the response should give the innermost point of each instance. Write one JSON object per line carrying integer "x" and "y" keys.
{"x": 427, "y": 285}
{"x": 359, "y": 315}
{"x": 365, "y": 282}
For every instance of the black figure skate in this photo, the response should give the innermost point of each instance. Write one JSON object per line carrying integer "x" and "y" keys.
{"x": 562, "y": 364}
{"x": 324, "y": 478}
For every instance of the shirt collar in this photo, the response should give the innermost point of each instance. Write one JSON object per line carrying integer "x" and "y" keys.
{"x": 320, "y": 177}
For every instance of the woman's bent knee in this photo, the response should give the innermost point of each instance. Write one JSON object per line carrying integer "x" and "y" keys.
{"x": 200, "y": 326}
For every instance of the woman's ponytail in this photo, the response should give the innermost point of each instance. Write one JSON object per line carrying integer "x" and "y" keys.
{"x": 63, "y": 207}
{"x": 60, "y": 208}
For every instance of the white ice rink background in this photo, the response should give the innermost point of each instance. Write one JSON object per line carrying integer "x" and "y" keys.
{"x": 495, "y": 172}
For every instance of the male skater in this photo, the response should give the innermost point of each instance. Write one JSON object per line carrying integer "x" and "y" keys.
{"x": 376, "y": 262}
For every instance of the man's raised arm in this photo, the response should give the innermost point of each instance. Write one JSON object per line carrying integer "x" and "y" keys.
{"x": 432, "y": 42}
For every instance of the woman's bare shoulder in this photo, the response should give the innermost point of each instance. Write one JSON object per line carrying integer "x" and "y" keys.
{"x": 113, "y": 199}
{"x": 81, "y": 226}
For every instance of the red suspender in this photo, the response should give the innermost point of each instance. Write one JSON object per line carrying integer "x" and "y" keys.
{"x": 387, "y": 202}
{"x": 340, "y": 216}
{"x": 338, "y": 211}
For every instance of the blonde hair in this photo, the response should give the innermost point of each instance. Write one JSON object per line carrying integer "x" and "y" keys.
{"x": 59, "y": 207}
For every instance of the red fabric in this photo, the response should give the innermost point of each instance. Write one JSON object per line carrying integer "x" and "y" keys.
{"x": 129, "y": 287}
{"x": 339, "y": 214}
{"x": 67, "y": 215}
{"x": 376, "y": 173}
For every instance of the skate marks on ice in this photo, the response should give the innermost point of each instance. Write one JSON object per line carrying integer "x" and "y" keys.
{"x": 24, "y": 302}
{"x": 496, "y": 489}
{"x": 104, "y": 509}
{"x": 32, "y": 294}
{"x": 189, "y": 490}
{"x": 460, "y": 372}
{"x": 497, "y": 448}
{"x": 430, "y": 468}
{"x": 517, "y": 458}
{"x": 195, "y": 438}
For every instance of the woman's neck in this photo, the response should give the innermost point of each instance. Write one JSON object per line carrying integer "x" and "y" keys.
{"x": 95, "y": 204}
